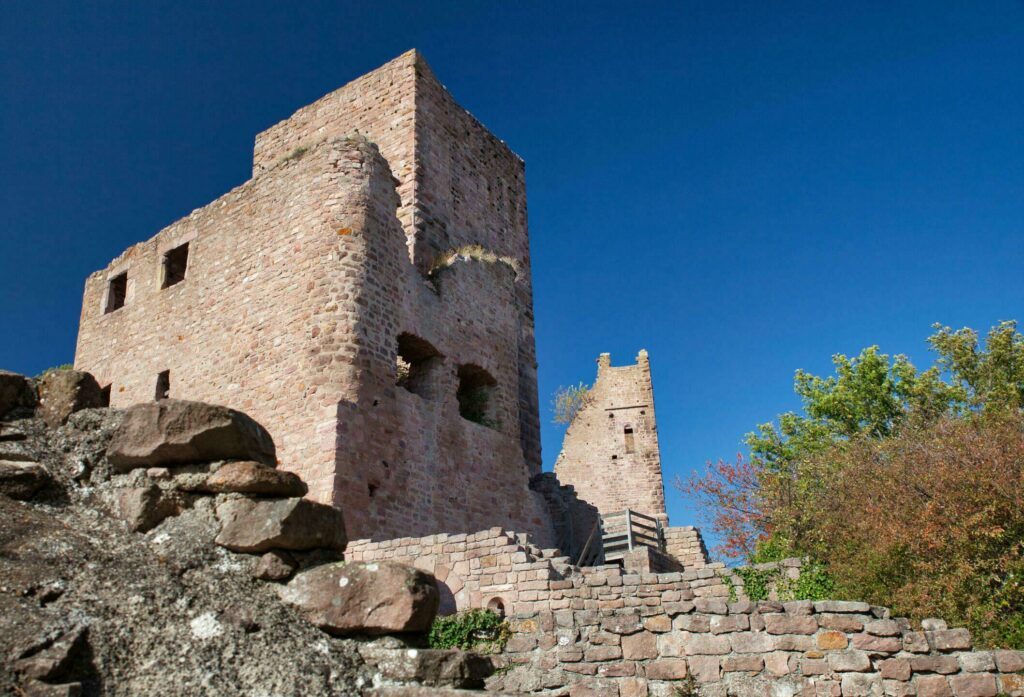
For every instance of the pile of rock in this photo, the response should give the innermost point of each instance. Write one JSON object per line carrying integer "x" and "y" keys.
{"x": 132, "y": 521}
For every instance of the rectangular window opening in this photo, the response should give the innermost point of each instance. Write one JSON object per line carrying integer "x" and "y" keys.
{"x": 629, "y": 439}
{"x": 163, "y": 385}
{"x": 175, "y": 264}
{"x": 117, "y": 290}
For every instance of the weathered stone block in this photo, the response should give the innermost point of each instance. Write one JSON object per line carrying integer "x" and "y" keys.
{"x": 790, "y": 624}
{"x": 749, "y": 663}
{"x": 974, "y": 685}
{"x": 364, "y": 598}
{"x": 16, "y": 391}
{"x": 63, "y": 392}
{"x": 849, "y": 661}
{"x": 666, "y": 669}
{"x": 705, "y": 669}
{"x": 23, "y": 480}
{"x": 296, "y": 524}
{"x": 950, "y": 639}
{"x": 640, "y": 646}
{"x": 720, "y": 624}
{"x": 1009, "y": 661}
{"x": 932, "y": 686}
{"x": 255, "y": 479}
{"x": 174, "y": 431}
{"x": 895, "y": 669}
{"x": 830, "y": 640}
{"x": 862, "y": 685}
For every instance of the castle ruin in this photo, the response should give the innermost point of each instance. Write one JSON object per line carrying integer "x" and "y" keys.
{"x": 366, "y": 296}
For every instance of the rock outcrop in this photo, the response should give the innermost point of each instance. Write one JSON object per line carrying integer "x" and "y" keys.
{"x": 62, "y": 392}
{"x": 177, "y": 432}
{"x": 116, "y": 575}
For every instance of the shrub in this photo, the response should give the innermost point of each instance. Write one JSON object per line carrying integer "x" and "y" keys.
{"x": 481, "y": 630}
{"x": 568, "y": 401}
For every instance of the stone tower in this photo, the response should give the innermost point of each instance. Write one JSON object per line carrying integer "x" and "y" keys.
{"x": 366, "y": 296}
{"x": 610, "y": 454}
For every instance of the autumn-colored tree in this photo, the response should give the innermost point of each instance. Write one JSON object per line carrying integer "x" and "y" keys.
{"x": 906, "y": 484}
{"x": 931, "y": 522}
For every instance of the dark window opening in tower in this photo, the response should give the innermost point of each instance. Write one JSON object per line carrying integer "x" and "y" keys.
{"x": 417, "y": 365}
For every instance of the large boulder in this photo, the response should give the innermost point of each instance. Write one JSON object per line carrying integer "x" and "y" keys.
{"x": 364, "y": 598}
{"x": 255, "y": 479}
{"x": 15, "y": 391}
{"x": 63, "y": 391}
{"x": 249, "y": 525}
{"x": 175, "y": 431}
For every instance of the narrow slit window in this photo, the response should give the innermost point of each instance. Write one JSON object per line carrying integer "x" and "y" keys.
{"x": 117, "y": 291}
{"x": 163, "y": 385}
{"x": 105, "y": 396}
{"x": 175, "y": 264}
{"x": 630, "y": 444}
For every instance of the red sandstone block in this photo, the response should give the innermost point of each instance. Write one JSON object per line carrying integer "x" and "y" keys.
{"x": 895, "y": 669}
{"x": 932, "y": 686}
{"x": 877, "y": 644}
{"x": 790, "y": 624}
{"x": 666, "y": 669}
{"x": 749, "y": 663}
{"x": 602, "y": 653}
{"x": 974, "y": 685}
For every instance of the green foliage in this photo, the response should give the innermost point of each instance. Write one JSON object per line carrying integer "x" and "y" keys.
{"x": 62, "y": 366}
{"x": 568, "y": 401}
{"x": 814, "y": 583}
{"x": 757, "y": 582}
{"x": 902, "y": 487}
{"x": 480, "y": 630}
{"x": 473, "y": 406}
{"x": 686, "y": 687}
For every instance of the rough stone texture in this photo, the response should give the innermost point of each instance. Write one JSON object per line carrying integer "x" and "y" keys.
{"x": 22, "y": 480}
{"x": 371, "y": 598}
{"x": 143, "y": 508}
{"x": 249, "y": 525}
{"x": 167, "y": 612}
{"x": 430, "y": 667}
{"x": 275, "y": 565}
{"x": 176, "y": 431}
{"x": 417, "y": 226}
{"x": 610, "y": 452}
{"x": 16, "y": 392}
{"x": 254, "y": 478}
{"x": 62, "y": 392}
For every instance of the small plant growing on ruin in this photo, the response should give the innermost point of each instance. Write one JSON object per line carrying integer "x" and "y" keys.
{"x": 296, "y": 153}
{"x": 483, "y": 631}
{"x": 568, "y": 401}
{"x": 686, "y": 687}
{"x": 62, "y": 366}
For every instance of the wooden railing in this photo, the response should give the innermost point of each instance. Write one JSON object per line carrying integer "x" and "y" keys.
{"x": 616, "y": 534}
{"x": 627, "y": 530}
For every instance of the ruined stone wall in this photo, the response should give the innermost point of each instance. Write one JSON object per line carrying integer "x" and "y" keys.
{"x": 605, "y": 631}
{"x": 256, "y": 325}
{"x": 459, "y": 185}
{"x": 609, "y": 466}
{"x": 685, "y": 544}
{"x": 743, "y": 648}
{"x": 300, "y": 282}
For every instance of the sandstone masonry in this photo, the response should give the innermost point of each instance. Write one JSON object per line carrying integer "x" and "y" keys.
{"x": 366, "y": 296}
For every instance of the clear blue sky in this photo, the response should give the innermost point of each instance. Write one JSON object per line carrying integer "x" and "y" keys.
{"x": 743, "y": 189}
